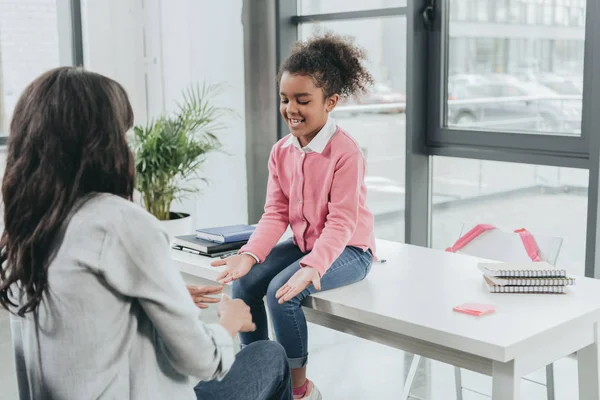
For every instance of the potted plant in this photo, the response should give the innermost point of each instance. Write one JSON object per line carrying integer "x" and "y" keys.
{"x": 169, "y": 152}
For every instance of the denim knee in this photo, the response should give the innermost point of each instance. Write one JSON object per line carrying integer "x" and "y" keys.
{"x": 271, "y": 350}
{"x": 270, "y": 353}
{"x": 272, "y": 300}
{"x": 245, "y": 288}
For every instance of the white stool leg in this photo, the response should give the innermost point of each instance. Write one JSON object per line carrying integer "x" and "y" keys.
{"x": 410, "y": 377}
{"x": 550, "y": 381}
{"x": 458, "y": 383}
{"x": 271, "y": 330}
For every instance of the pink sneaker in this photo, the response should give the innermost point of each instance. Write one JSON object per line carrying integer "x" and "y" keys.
{"x": 312, "y": 393}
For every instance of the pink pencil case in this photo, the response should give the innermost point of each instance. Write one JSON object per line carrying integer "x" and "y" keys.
{"x": 476, "y": 309}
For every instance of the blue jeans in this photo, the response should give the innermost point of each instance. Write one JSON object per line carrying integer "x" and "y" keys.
{"x": 259, "y": 372}
{"x": 289, "y": 323}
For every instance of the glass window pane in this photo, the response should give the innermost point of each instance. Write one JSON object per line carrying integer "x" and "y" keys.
{"x": 544, "y": 65}
{"x": 461, "y": 9}
{"x": 549, "y": 201}
{"x": 547, "y": 14}
{"x": 500, "y": 10}
{"x": 377, "y": 120}
{"x": 482, "y": 7}
{"x": 28, "y": 47}
{"x": 308, "y": 7}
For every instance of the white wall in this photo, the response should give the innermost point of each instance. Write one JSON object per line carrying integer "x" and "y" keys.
{"x": 156, "y": 48}
{"x": 113, "y": 45}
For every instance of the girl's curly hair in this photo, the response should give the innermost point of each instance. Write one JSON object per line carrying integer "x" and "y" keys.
{"x": 333, "y": 61}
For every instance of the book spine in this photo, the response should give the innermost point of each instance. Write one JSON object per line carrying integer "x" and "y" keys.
{"x": 237, "y": 237}
{"x": 210, "y": 237}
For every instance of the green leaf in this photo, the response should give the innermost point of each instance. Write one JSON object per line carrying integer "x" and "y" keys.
{"x": 169, "y": 151}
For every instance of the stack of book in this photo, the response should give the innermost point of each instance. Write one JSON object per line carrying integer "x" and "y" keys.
{"x": 215, "y": 242}
{"x": 532, "y": 277}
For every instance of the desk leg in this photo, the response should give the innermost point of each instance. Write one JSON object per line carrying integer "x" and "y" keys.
{"x": 588, "y": 371}
{"x": 505, "y": 384}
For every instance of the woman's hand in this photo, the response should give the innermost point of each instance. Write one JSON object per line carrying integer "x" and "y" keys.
{"x": 237, "y": 267}
{"x": 297, "y": 283}
{"x": 235, "y": 316}
{"x": 200, "y": 294}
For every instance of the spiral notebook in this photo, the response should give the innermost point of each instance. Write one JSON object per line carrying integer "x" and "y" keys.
{"x": 523, "y": 289}
{"x": 540, "y": 269}
{"x": 558, "y": 281}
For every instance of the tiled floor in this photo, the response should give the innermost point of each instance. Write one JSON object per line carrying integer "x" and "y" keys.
{"x": 345, "y": 367}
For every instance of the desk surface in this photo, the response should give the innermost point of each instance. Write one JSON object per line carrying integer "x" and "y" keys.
{"x": 413, "y": 294}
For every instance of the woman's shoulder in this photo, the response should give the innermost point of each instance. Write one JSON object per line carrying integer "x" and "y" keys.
{"x": 109, "y": 211}
{"x": 108, "y": 203}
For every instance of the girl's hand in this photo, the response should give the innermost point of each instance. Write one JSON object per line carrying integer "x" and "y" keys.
{"x": 237, "y": 267}
{"x": 297, "y": 283}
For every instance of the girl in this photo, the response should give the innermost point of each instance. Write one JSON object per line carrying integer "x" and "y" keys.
{"x": 316, "y": 185}
{"x": 98, "y": 311}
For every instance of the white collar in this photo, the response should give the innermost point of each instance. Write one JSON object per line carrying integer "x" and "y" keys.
{"x": 317, "y": 145}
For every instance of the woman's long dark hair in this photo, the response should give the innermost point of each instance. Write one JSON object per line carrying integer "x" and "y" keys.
{"x": 67, "y": 139}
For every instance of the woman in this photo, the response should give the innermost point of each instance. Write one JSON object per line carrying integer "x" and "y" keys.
{"x": 98, "y": 310}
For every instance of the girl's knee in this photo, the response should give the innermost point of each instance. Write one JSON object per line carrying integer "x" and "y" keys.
{"x": 273, "y": 301}
{"x": 244, "y": 288}
{"x": 272, "y": 293}
{"x": 237, "y": 290}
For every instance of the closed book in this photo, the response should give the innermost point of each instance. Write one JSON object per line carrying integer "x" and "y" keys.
{"x": 522, "y": 270}
{"x": 523, "y": 289}
{"x": 205, "y": 246}
{"x": 567, "y": 281}
{"x": 226, "y": 234}
{"x": 221, "y": 254}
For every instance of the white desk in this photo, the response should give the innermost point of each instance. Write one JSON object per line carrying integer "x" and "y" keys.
{"x": 407, "y": 303}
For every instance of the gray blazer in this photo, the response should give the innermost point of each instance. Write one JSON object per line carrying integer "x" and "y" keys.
{"x": 118, "y": 321}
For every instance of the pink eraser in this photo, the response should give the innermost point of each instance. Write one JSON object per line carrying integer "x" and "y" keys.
{"x": 475, "y": 309}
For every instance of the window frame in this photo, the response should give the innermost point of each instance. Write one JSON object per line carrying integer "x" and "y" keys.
{"x": 70, "y": 38}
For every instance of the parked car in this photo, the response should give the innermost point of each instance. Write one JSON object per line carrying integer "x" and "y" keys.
{"x": 506, "y": 103}
{"x": 379, "y": 94}
{"x": 466, "y": 79}
{"x": 561, "y": 84}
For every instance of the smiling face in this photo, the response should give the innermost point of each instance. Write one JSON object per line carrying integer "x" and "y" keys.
{"x": 303, "y": 106}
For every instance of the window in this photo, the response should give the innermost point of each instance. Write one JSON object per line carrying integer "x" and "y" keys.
{"x": 377, "y": 120}
{"x": 547, "y": 14}
{"x": 500, "y": 10}
{"x": 28, "y": 47}
{"x": 462, "y": 8}
{"x": 577, "y": 17}
{"x": 549, "y": 201}
{"x": 482, "y": 13}
{"x": 561, "y": 15}
{"x": 486, "y": 70}
{"x": 531, "y": 14}
{"x": 543, "y": 66}
{"x": 309, "y": 7}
